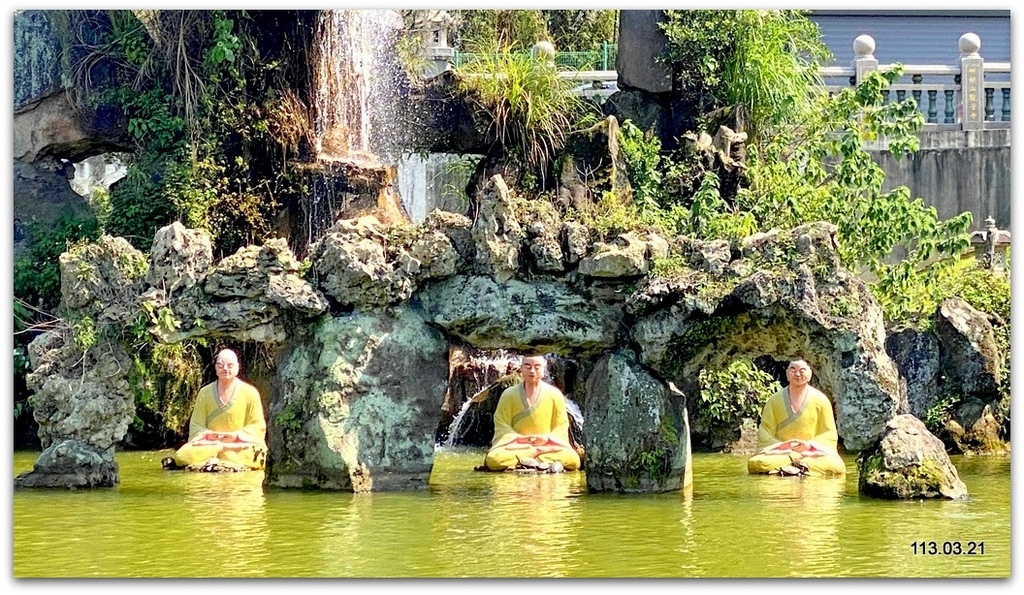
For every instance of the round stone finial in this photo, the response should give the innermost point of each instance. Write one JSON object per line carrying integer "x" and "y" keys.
{"x": 863, "y": 46}
{"x": 969, "y": 44}
{"x": 544, "y": 50}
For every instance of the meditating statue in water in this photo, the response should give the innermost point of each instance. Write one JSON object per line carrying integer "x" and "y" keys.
{"x": 798, "y": 432}
{"x": 531, "y": 424}
{"x": 227, "y": 430}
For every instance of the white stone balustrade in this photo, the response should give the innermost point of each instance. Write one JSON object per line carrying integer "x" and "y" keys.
{"x": 967, "y": 94}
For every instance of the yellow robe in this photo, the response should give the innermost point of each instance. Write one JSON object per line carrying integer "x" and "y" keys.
{"x": 243, "y": 414}
{"x": 813, "y": 422}
{"x": 514, "y": 419}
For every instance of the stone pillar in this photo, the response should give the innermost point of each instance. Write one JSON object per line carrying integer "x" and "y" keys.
{"x": 864, "y": 60}
{"x": 971, "y": 83}
{"x": 641, "y": 41}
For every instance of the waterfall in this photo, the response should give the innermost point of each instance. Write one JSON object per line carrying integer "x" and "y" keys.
{"x": 480, "y": 371}
{"x": 434, "y": 181}
{"x": 574, "y": 411}
{"x": 354, "y": 73}
{"x": 355, "y": 86}
{"x": 453, "y": 431}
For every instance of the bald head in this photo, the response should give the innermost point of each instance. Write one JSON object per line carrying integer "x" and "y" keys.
{"x": 227, "y": 364}
{"x": 533, "y": 368}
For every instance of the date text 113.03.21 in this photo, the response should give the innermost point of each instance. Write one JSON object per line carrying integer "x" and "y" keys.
{"x": 948, "y": 548}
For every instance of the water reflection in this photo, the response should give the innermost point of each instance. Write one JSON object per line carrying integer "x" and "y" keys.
{"x": 531, "y": 523}
{"x": 228, "y": 524}
{"x": 161, "y": 524}
{"x": 799, "y": 523}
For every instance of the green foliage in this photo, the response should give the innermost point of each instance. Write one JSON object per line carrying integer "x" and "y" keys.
{"x": 37, "y": 273}
{"x": 22, "y": 366}
{"x": 290, "y": 418}
{"x": 641, "y": 154}
{"x": 474, "y": 29}
{"x": 225, "y": 47}
{"x": 165, "y": 379}
{"x": 730, "y": 395}
{"x": 191, "y": 98}
{"x": 568, "y": 30}
{"x": 84, "y": 332}
{"x": 754, "y": 64}
{"x": 654, "y": 458}
{"x": 936, "y": 416}
{"x": 531, "y": 110}
{"x": 162, "y": 319}
{"x": 577, "y": 30}
{"x": 137, "y": 204}
{"x": 820, "y": 170}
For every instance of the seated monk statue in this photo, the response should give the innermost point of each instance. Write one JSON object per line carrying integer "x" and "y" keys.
{"x": 227, "y": 426}
{"x": 798, "y": 429}
{"x": 531, "y": 424}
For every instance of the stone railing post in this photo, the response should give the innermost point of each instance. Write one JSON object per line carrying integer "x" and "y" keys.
{"x": 864, "y": 60}
{"x": 543, "y": 53}
{"x": 971, "y": 83}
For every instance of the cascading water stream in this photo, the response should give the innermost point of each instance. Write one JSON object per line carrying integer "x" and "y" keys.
{"x": 355, "y": 88}
{"x": 350, "y": 47}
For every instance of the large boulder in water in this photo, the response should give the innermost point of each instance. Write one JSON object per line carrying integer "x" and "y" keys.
{"x": 359, "y": 399}
{"x": 638, "y": 436}
{"x": 909, "y": 463}
{"x": 70, "y": 464}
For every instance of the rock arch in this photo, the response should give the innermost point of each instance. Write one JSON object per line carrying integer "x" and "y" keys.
{"x": 362, "y": 338}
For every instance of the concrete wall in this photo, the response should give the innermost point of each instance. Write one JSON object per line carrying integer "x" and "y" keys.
{"x": 957, "y": 171}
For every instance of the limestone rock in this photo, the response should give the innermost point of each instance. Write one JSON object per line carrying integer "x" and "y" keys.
{"x": 47, "y": 127}
{"x": 487, "y": 314}
{"x": 103, "y": 279}
{"x": 710, "y": 256}
{"x": 969, "y": 356}
{"x": 359, "y": 400}
{"x": 637, "y": 430}
{"x": 496, "y": 232}
{"x": 358, "y": 266}
{"x": 180, "y": 257}
{"x": 909, "y": 463}
{"x": 977, "y": 427}
{"x": 916, "y": 355}
{"x": 544, "y": 247}
{"x": 42, "y": 196}
{"x": 243, "y": 297}
{"x": 591, "y": 166}
{"x": 791, "y": 303}
{"x": 575, "y": 240}
{"x": 458, "y": 229}
{"x": 70, "y": 464}
{"x": 626, "y": 256}
{"x": 434, "y": 255}
{"x": 78, "y": 394}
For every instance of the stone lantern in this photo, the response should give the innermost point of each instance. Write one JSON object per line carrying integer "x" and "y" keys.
{"x": 435, "y": 42}
{"x": 436, "y": 26}
{"x": 991, "y": 243}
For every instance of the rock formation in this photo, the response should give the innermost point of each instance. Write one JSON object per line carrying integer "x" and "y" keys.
{"x": 362, "y": 335}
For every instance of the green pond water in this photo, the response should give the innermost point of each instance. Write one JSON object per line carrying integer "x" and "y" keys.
{"x": 471, "y": 524}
